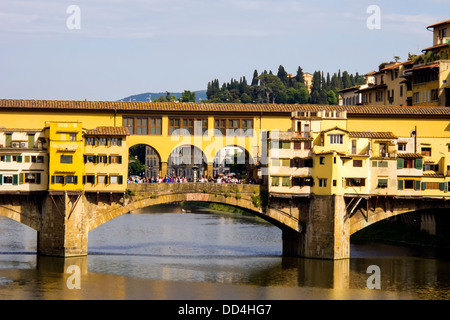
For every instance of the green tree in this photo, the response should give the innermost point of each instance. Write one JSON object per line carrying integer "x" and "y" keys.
{"x": 245, "y": 98}
{"x": 272, "y": 86}
{"x": 282, "y": 75}
{"x": 187, "y": 96}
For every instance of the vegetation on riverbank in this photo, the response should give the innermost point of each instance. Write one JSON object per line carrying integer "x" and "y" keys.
{"x": 397, "y": 232}
{"x": 216, "y": 206}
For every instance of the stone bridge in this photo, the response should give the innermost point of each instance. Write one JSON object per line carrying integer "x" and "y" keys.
{"x": 312, "y": 226}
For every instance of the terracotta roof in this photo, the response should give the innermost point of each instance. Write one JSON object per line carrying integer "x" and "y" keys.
{"x": 373, "y": 87}
{"x": 369, "y": 134}
{"x": 396, "y": 65}
{"x": 438, "y": 24}
{"x": 428, "y": 66}
{"x": 350, "y": 89}
{"x": 409, "y": 155}
{"x": 433, "y": 175}
{"x": 108, "y": 131}
{"x": 442, "y": 45}
{"x": 124, "y": 106}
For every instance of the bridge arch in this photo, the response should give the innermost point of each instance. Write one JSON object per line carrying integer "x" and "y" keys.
{"x": 240, "y": 196}
{"x": 187, "y": 161}
{"x": 232, "y": 158}
{"x": 149, "y": 156}
{"x": 374, "y": 210}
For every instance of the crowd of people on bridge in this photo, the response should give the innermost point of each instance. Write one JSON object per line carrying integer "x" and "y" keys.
{"x": 231, "y": 179}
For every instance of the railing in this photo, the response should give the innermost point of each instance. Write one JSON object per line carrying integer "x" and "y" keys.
{"x": 193, "y": 187}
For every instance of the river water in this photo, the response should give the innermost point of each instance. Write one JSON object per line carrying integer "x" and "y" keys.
{"x": 203, "y": 254}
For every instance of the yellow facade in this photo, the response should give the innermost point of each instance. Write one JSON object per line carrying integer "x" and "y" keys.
{"x": 349, "y": 150}
{"x": 65, "y": 150}
{"x": 105, "y": 159}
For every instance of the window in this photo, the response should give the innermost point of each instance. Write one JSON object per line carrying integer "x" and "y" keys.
{"x": 301, "y": 181}
{"x": 234, "y": 127}
{"x": 322, "y": 160}
{"x": 402, "y": 147}
{"x": 382, "y": 183}
{"x": 89, "y": 179}
{"x": 297, "y": 145}
{"x": 71, "y": 180}
{"x": 58, "y": 179}
{"x": 115, "y": 159}
{"x": 357, "y": 163}
{"x": 114, "y": 179}
{"x": 66, "y": 159}
{"x": 32, "y": 178}
{"x": 307, "y": 145}
{"x": 102, "y": 179}
{"x": 408, "y": 184}
{"x": 89, "y": 141}
{"x": 188, "y": 126}
{"x": 102, "y": 159}
{"x": 322, "y": 182}
{"x": 155, "y": 126}
{"x": 143, "y": 125}
{"x": 426, "y": 151}
{"x": 355, "y": 182}
{"x": 7, "y": 179}
{"x": 301, "y": 163}
{"x": 88, "y": 159}
{"x": 129, "y": 123}
{"x": 72, "y": 137}
{"x": 275, "y": 181}
{"x": 336, "y": 139}
{"x": 285, "y": 181}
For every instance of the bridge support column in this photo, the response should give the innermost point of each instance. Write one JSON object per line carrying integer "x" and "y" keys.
{"x": 64, "y": 226}
{"x": 210, "y": 170}
{"x": 326, "y": 234}
{"x": 163, "y": 169}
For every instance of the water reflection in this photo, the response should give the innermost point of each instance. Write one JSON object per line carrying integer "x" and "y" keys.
{"x": 205, "y": 256}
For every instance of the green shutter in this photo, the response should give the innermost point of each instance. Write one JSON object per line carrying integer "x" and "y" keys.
{"x": 417, "y": 185}
{"x": 19, "y": 159}
{"x": 31, "y": 141}
{"x": 374, "y": 163}
{"x": 120, "y": 159}
{"x": 445, "y": 187}
{"x": 442, "y": 186}
{"x": 53, "y": 179}
{"x": 400, "y": 163}
{"x": 8, "y": 158}
{"x": 15, "y": 179}
{"x": 109, "y": 159}
{"x": 75, "y": 180}
{"x": 1, "y": 179}
{"x": 419, "y": 163}
{"x": 424, "y": 185}
{"x": 38, "y": 178}
{"x": 120, "y": 179}
{"x": 84, "y": 179}
{"x": 400, "y": 184}
{"x": 21, "y": 178}
{"x": 8, "y": 140}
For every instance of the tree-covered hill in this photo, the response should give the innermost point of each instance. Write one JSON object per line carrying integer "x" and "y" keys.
{"x": 283, "y": 88}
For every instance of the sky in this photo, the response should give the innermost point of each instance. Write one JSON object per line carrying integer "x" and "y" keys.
{"x": 106, "y": 50}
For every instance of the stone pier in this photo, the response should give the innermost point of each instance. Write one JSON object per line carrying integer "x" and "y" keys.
{"x": 326, "y": 232}
{"x": 64, "y": 226}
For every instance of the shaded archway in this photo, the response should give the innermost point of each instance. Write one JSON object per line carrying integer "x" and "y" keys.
{"x": 187, "y": 161}
{"x": 144, "y": 161}
{"x": 234, "y": 160}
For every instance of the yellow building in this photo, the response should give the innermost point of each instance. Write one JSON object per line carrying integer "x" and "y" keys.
{"x": 430, "y": 75}
{"x": 105, "y": 159}
{"x": 65, "y": 152}
{"x": 354, "y": 157}
{"x": 387, "y": 86}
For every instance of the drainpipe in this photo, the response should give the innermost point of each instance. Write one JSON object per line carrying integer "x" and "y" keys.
{"x": 415, "y": 139}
